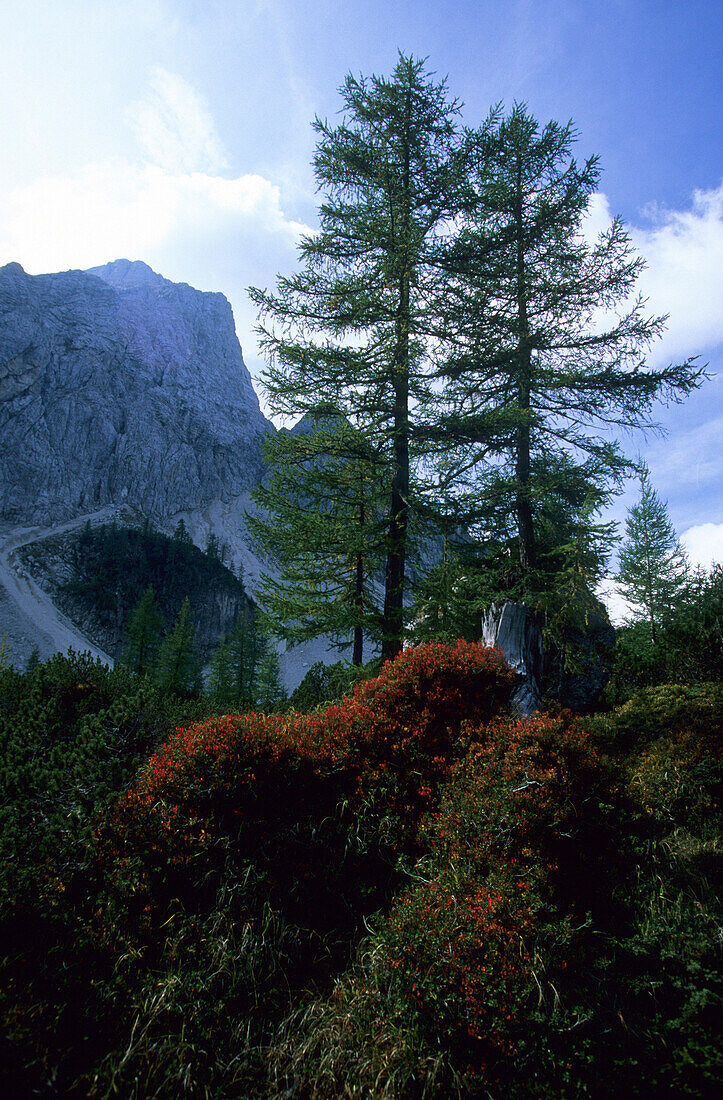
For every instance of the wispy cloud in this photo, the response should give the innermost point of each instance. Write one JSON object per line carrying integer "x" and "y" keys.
{"x": 175, "y": 128}
{"x": 690, "y": 461}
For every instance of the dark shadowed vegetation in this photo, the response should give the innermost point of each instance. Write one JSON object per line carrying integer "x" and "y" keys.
{"x": 406, "y": 892}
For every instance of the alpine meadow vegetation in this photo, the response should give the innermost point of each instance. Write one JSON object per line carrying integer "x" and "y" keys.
{"x": 405, "y": 892}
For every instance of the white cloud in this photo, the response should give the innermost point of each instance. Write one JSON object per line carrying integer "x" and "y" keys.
{"x": 617, "y": 606}
{"x": 170, "y": 206}
{"x": 117, "y": 209}
{"x": 597, "y": 217}
{"x": 175, "y": 129}
{"x": 683, "y": 250}
{"x": 704, "y": 544}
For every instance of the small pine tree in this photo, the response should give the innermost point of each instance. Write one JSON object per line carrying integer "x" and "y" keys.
{"x": 144, "y": 635}
{"x": 181, "y": 535}
{"x": 270, "y": 692}
{"x": 222, "y": 687}
{"x": 33, "y": 660}
{"x": 653, "y": 566}
{"x": 177, "y": 668}
{"x": 213, "y": 547}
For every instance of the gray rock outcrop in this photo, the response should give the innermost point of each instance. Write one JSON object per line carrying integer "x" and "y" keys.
{"x": 119, "y": 386}
{"x": 512, "y": 628}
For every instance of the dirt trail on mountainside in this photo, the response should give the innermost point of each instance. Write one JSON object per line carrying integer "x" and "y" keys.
{"x": 28, "y": 603}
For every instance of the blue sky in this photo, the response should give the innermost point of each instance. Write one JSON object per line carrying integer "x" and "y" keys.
{"x": 179, "y": 132}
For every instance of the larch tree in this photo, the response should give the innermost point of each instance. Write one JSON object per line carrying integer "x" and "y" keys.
{"x": 144, "y": 635}
{"x": 355, "y": 324}
{"x": 177, "y": 668}
{"x": 653, "y": 566}
{"x": 320, "y": 520}
{"x": 269, "y": 693}
{"x": 547, "y": 345}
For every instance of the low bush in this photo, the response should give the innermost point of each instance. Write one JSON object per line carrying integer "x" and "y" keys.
{"x": 72, "y": 733}
{"x": 470, "y": 950}
{"x": 408, "y": 893}
{"x": 679, "y": 778}
{"x": 390, "y": 741}
{"x": 664, "y": 708}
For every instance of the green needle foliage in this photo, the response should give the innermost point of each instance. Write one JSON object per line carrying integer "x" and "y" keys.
{"x": 234, "y": 665}
{"x": 547, "y": 345}
{"x": 270, "y": 694}
{"x": 144, "y": 635}
{"x": 653, "y": 566}
{"x": 321, "y": 522}
{"x": 354, "y": 323}
{"x": 453, "y": 309}
{"x": 177, "y": 669}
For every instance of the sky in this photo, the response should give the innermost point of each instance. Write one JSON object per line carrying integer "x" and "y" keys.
{"x": 179, "y": 132}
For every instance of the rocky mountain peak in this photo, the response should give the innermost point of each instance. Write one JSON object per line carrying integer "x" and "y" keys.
{"x": 125, "y": 274}
{"x": 120, "y": 386}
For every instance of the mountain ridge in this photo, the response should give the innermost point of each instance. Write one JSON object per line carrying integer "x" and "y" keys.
{"x": 118, "y": 386}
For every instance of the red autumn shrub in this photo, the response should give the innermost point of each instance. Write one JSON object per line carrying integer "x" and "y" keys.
{"x": 475, "y": 945}
{"x": 413, "y": 709}
{"x": 461, "y": 957}
{"x": 241, "y": 779}
{"x": 522, "y": 786}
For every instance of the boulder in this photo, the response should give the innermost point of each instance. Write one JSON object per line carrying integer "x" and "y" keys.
{"x": 512, "y": 628}
{"x": 580, "y": 685}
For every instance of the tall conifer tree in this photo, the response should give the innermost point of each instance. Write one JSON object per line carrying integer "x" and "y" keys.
{"x": 353, "y": 325}
{"x": 321, "y": 521}
{"x": 547, "y": 348}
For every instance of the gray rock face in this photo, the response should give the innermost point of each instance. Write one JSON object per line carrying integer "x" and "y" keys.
{"x": 512, "y": 628}
{"x": 116, "y": 386}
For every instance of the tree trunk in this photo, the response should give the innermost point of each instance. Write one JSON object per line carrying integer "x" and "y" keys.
{"x": 358, "y": 654}
{"x": 523, "y": 504}
{"x": 396, "y": 551}
{"x": 393, "y": 623}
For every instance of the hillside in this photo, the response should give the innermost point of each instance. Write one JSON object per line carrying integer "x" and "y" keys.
{"x": 97, "y": 576}
{"x": 407, "y": 893}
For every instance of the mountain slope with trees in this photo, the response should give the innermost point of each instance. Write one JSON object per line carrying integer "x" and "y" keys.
{"x": 391, "y": 886}
{"x": 98, "y": 576}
